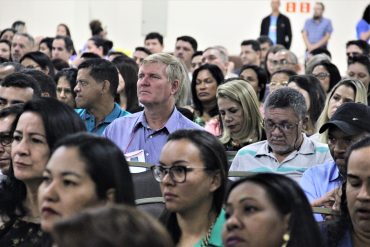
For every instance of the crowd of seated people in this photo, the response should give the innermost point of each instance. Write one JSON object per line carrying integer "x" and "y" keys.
{"x": 247, "y": 150}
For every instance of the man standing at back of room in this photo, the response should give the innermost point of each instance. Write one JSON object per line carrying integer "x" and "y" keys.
{"x": 277, "y": 26}
{"x": 317, "y": 30}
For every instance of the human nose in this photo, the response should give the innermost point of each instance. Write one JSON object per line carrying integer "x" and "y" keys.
{"x": 276, "y": 130}
{"x": 49, "y": 192}
{"x": 167, "y": 178}
{"x": 364, "y": 193}
{"x": 77, "y": 88}
{"x": 21, "y": 148}
{"x": 62, "y": 94}
{"x": 202, "y": 85}
{"x": 340, "y": 147}
{"x": 232, "y": 222}
{"x": 228, "y": 117}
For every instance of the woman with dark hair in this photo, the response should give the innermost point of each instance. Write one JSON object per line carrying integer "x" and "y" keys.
{"x": 66, "y": 82}
{"x": 192, "y": 172}
{"x": 204, "y": 85}
{"x": 43, "y": 122}
{"x": 39, "y": 61}
{"x": 46, "y": 46}
{"x": 127, "y": 96}
{"x": 359, "y": 68}
{"x": 310, "y": 87}
{"x": 8, "y": 34}
{"x": 267, "y": 209}
{"x": 257, "y": 77}
{"x": 83, "y": 171}
{"x": 113, "y": 226}
{"x": 352, "y": 228}
{"x": 327, "y": 73}
{"x": 99, "y": 46}
{"x": 363, "y": 26}
{"x": 5, "y": 49}
{"x": 63, "y": 30}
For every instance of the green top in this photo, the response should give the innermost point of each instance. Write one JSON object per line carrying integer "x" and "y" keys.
{"x": 216, "y": 234}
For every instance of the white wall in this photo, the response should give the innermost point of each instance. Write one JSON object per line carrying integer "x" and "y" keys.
{"x": 211, "y": 22}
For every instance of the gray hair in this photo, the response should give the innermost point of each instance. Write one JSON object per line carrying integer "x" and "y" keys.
{"x": 315, "y": 60}
{"x": 175, "y": 70}
{"x": 293, "y": 57}
{"x": 31, "y": 40}
{"x": 287, "y": 98}
{"x": 221, "y": 50}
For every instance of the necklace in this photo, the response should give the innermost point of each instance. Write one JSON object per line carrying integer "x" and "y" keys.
{"x": 205, "y": 241}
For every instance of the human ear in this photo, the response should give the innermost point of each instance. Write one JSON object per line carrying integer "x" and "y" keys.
{"x": 106, "y": 86}
{"x": 110, "y": 196}
{"x": 175, "y": 87}
{"x": 215, "y": 182}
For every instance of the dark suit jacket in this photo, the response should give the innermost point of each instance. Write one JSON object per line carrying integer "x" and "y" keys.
{"x": 283, "y": 32}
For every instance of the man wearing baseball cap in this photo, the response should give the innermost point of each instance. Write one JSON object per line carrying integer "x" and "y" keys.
{"x": 349, "y": 123}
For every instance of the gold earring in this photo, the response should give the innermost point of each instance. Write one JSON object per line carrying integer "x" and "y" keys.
{"x": 286, "y": 238}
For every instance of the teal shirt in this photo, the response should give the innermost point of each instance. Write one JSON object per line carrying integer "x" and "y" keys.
{"x": 216, "y": 234}
{"x": 89, "y": 119}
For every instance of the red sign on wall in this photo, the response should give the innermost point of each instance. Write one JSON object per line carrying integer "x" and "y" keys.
{"x": 298, "y": 7}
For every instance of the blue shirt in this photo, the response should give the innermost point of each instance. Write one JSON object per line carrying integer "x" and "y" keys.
{"x": 273, "y": 29}
{"x": 319, "y": 180}
{"x": 90, "y": 123}
{"x": 316, "y": 30}
{"x": 362, "y": 27}
{"x": 133, "y": 133}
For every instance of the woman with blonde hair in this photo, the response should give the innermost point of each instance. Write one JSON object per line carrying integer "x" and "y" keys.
{"x": 347, "y": 90}
{"x": 241, "y": 118}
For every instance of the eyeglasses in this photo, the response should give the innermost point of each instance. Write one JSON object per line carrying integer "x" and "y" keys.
{"x": 280, "y": 62}
{"x": 6, "y": 139}
{"x": 321, "y": 76}
{"x": 284, "y": 127}
{"x": 353, "y": 54}
{"x": 177, "y": 173}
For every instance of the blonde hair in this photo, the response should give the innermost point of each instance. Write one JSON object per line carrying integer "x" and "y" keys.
{"x": 241, "y": 92}
{"x": 175, "y": 70}
{"x": 360, "y": 96}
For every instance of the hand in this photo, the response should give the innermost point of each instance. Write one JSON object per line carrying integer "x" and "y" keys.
{"x": 326, "y": 200}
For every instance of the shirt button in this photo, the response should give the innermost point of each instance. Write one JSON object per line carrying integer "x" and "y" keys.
{"x": 147, "y": 154}
{"x": 151, "y": 137}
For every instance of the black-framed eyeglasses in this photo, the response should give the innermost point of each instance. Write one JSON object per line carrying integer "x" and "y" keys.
{"x": 321, "y": 75}
{"x": 6, "y": 138}
{"x": 284, "y": 127}
{"x": 176, "y": 173}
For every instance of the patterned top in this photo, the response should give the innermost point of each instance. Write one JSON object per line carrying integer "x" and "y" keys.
{"x": 258, "y": 157}
{"x": 19, "y": 233}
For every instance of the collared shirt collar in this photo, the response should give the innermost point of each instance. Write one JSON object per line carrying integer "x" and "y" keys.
{"x": 334, "y": 173}
{"x": 115, "y": 113}
{"x": 170, "y": 125}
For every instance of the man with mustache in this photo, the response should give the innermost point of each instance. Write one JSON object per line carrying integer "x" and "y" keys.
{"x": 349, "y": 123}
{"x": 287, "y": 149}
